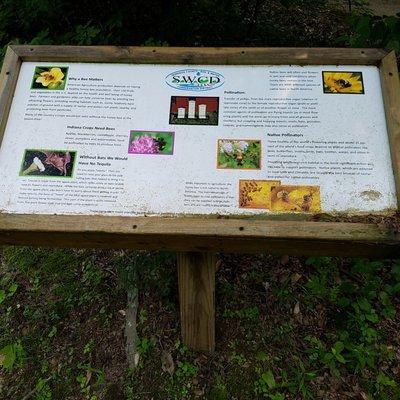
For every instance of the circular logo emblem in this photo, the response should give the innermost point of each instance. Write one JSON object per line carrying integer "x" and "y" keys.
{"x": 195, "y": 79}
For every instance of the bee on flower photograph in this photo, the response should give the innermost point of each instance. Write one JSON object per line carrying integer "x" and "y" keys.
{"x": 343, "y": 82}
{"x": 49, "y": 78}
{"x": 151, "y": 143}
{"x": 239, "y": 154}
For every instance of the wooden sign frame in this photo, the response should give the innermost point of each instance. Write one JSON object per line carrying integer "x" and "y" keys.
{"x": 198, "y": 238}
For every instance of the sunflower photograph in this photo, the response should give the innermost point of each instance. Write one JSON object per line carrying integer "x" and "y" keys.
{"x": 49, "y": 78}
{"x": 343, "y": 82}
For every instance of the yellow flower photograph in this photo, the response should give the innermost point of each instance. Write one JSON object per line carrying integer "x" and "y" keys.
{"x": 256, "y": 193}
{"x": 50, "y": 78}
{"x": 343, "y": 82}
{"x": 296, "y": 198}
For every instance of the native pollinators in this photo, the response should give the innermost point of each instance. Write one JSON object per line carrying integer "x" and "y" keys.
{"x": 239, "y": 157}
{"x": 284, "y": 195}
{"x": 307, "y": 202}
{"x": 161, "y": 143}
{"x": 344, "y": 83}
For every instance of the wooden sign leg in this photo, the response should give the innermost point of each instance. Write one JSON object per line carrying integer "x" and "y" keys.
{"x": 196, "y": 276}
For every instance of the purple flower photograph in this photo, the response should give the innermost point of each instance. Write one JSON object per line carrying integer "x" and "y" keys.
{"x": 151, "y": 142}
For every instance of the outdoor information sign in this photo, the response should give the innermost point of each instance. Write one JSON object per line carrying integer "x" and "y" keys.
{"x": 199, "y": 150}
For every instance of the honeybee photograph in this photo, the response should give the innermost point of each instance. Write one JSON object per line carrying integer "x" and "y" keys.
{"x": 256, "y": 193}
{"x": 343, "y": 82}
{"x": 49, "y": 78}
{"x": 151, "y": 142}
{"x": 48, "y": 163}
{"x": 239, "y": 154}
{"x": 296, "y": 198}
{"x": 194, "y": 110}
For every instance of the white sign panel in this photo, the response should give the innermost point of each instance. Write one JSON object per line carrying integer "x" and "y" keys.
{"x": 116, "y": 139}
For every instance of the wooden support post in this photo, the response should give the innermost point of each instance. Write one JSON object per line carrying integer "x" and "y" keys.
{"x": 196, "y": 275}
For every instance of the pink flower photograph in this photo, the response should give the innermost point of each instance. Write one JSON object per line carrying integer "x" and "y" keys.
{"x": 151, "y": 142}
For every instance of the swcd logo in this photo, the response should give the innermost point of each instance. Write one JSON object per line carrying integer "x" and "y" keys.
{"x": 195, "y": 79}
